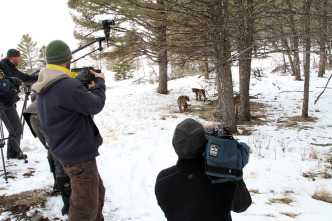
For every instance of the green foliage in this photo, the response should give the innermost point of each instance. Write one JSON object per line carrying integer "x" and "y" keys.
{"x": 29, "y": 54}
{"x": 123, "y": 68}
{"x": 42, "y": 55}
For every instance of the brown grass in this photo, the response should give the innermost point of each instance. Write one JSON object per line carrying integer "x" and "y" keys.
{"x": 293, "y": 122}
{"x": 209, "y": 111}
{"x": 284, "y": 200}
{"x": 322, "y": 195}
{"x": 20, "y": 204}
{"x": 255, "y": 191}
{"x": 292, "y": 215}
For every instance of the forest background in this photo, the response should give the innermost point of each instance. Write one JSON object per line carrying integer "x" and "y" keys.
{"x": 206, "y": 36}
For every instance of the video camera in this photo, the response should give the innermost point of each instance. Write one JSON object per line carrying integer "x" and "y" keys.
{"x": 107, "y": 22}
{"x": 84, "y": 74}
{"x": 219, "y": 131}
{"x": 10, "y": 84}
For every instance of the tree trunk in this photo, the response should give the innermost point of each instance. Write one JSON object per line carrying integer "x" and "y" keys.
{"x": 322, "y": 41}
{"x": 162, "y": 56}
{"x": 306, "y": 65}
{"x": 245, "y": 60}
{"x": 223, "y": 68}
{"x": 295, "y": 43}
{"x": 207, "y": 71}
{"x": 289, "y": 55}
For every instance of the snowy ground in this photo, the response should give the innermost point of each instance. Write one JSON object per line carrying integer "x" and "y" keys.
{"x": 137, "y": 125}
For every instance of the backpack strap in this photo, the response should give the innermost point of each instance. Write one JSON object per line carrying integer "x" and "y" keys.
{"x": 222, "y": 170}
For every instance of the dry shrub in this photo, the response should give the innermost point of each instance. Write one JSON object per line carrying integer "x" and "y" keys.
{"x": 288, "y": 192}
{"x": 270, "y": 215}
{"x": 292, "y": 215}
{"x": 255, "y": 191}
{"x": 322, "y": 195}
{"x": 20, "y": 204}
{"x": 285, "y": 200}
{"x": 293, "y": 122}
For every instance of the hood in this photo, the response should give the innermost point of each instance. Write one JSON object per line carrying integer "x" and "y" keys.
{"x": 46, "y": 77}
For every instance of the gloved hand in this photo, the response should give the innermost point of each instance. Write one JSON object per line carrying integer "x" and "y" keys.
{"x": 15, "y": 81}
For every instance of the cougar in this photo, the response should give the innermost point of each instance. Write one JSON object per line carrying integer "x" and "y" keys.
{"x": 199, "y": 93}
{"x": 182, "y": 102}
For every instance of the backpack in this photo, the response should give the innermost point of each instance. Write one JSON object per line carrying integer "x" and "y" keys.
{"x": 224, "y": 156}
{"x": 4, "y": 83}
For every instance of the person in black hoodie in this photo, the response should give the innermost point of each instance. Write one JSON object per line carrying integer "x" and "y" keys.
{"x": 8, "y": 101}
{"x": 183, "y": 191}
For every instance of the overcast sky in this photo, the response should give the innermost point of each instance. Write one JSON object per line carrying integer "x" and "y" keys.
{"x": 43, "y": 20}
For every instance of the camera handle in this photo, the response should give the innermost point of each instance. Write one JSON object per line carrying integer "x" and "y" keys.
{"x": 100, "y": 48}
{"x": 107, "y": 30}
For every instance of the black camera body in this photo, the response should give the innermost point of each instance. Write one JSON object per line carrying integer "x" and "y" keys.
{"x": 107, "y": 22}
{"x": 218, "y": 131}
{"x": 84, "y": 74}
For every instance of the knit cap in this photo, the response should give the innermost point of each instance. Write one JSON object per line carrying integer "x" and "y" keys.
{"x": 189, "y": 139}
{"x": 13, "y": 53}
{"x": 58, "y": 52}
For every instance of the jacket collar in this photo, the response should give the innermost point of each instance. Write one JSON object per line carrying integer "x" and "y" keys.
{"x": 190, "y": 163}
{"x": 46, "y": 77}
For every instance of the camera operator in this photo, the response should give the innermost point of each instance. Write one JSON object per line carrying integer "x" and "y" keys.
{"x": 8, "y": 101}
{"x": 183, "y": 191}
{"x": 61, "y": 179}
{"x": 65, "y": 107}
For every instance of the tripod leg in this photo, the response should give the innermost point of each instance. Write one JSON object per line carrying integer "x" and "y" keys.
{"x": 15, "y": 141}
{"x": 4, "y": 166}
{"x": 23, "y": 109}
{"x": 2, "y": 145}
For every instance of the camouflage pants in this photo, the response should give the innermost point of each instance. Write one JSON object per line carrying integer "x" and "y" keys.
{"x": 88, "y": 192}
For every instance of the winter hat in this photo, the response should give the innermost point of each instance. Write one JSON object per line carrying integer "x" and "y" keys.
{"x": 189, "y": 139}
{"x": 13, "y": 53}
{"x": 58, "y": 52}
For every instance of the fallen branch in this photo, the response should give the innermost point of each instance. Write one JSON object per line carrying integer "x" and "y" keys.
{"x": 292, "y": 91}
{"x": 323, "y": 90}
{"x": 203, "y": 89}
{"x": 322, "y": 145}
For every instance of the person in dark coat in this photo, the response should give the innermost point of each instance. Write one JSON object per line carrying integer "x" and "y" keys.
{"x": 183, "y": 191}
{"x": 61, "y": 179}
{"x": 65, "y": 106}
{"x": 8, "y": 102}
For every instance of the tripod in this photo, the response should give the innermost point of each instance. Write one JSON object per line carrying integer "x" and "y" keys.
{"x": 27, "y": 91}
{"x": 2, "y": 144}
{"x": 11, "y": 136}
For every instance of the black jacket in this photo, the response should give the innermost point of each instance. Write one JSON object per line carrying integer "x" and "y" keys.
{"x": 10, "y": 71}
{"x": 65, "y": 108}
{"x": 184, "y": 193}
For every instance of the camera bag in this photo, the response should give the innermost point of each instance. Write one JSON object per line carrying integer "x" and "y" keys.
{"x": 225, "y": 157}
{"x": 4, "y": 85}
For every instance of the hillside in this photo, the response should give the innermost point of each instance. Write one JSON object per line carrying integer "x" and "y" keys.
{"x": 290, "y": 157}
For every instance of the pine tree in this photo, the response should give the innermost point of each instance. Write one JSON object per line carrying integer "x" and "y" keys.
{"x": 29, "y": 54}
{"x": 123, "y": 69}
{"x": 41, "y": 58}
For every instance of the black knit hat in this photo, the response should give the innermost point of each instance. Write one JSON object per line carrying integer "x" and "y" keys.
{"x": 58, "y": 52}
{"x": 189, "y": 139}
{"x": 13, "y": 53}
